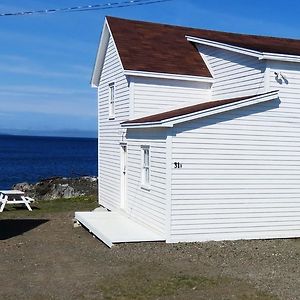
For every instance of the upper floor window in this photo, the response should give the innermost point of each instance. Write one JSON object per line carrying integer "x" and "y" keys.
{"x": 145, "y": 166}
{"x": 111, "y": 100}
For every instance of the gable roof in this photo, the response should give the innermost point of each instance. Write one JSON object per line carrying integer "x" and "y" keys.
{"x": 201, "y": 107}
{"x": 160, "y": 48}
{"x": 156, "y": 48}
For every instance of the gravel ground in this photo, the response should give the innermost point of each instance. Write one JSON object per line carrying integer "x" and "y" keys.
{"x": 46, "y": 258}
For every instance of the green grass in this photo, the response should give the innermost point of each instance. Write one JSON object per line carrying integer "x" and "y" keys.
{"x": 51, "y": 206}
{"x": 143, "y": 285}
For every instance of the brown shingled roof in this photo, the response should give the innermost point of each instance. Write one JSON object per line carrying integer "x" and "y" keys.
{"x": 154, "y": 47}
{"x": 189, "y": 109}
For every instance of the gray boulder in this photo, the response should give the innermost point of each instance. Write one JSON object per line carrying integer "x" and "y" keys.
{"x": 60, "y": 187}
{"x": 23, "y": 186}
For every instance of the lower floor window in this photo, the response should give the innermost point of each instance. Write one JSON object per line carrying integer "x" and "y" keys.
{"x": 145, "y": 165}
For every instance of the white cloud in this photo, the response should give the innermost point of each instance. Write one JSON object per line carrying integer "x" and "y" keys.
{"x": 56, "y": 106}
{"x": 28, "y": 90}
{"x": 34, "y": 71}
{"x": 41, "y": 43}
{"x": 19, "y": 65}
{"x": 13, "y": 58}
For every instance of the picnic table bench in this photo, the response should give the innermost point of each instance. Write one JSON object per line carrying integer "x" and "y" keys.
{"x": 14, "y": 197}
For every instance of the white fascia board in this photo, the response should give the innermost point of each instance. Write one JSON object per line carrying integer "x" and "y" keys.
{"x": 106, "y": 34}
{"x": 159, "y": 124}
{"x": 223, "y": 108}
{"x": 100, "y": 55}
{"x": 168, "y": 76}
{"x": 280, "y": 57}
{"x": 228, "y": 47}
{"x": 208, "y": 112}
{"x": 249, "y": 52}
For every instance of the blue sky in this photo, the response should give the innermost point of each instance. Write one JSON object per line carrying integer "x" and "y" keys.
{"x": 46, "y": 60}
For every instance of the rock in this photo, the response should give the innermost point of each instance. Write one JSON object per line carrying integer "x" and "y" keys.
{"x": 60, "y": 187}
{"x": 23, "y": 186}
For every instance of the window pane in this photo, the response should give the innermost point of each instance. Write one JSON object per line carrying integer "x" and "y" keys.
{"x": 147, "y": 176}
{"x": 111, "y": 100}
{"x": 112, "y": 107}
{"x": 145, "y": 165}
{"x": 112, "y": 93}
{"x": 146, "y": 160}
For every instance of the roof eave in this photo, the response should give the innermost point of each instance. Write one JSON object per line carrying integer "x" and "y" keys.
{"x": 146, "y": 125}
{"x": 224, "y": 46}
{"x": 99, "y": 61}
{"x": 245, "y": 51}
{"x": 280, "y": 57}
{"x": 104, "y": 40}
{"x": 168, "y": 76}
{"x": 208, "y": 112}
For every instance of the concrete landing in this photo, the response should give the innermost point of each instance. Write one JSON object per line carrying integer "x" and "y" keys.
{"x": 112, "y": 227}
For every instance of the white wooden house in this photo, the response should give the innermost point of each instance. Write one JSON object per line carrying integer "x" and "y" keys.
{"x": 199, "y": 134}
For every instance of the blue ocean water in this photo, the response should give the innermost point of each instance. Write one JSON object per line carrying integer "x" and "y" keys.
{"x": 30, "y": 159}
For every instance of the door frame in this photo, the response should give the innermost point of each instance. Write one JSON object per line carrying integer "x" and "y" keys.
{"x": 123, "y": 175}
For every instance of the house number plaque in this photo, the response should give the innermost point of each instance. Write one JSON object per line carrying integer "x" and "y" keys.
{"x": 177, "y": 165}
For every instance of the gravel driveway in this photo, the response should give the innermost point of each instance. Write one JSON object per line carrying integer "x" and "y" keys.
{"x": 44, "y": 257}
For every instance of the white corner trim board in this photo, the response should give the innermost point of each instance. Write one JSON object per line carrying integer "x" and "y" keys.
{"x": 204, "y": 113}
{"x": 168, "y": 76}
{"x": 241, "y": 50}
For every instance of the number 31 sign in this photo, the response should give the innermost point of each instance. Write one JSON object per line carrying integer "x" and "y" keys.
{"x": 177, "y": 165}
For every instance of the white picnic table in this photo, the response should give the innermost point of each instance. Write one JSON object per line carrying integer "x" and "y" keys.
{"x": 14, "y": 197}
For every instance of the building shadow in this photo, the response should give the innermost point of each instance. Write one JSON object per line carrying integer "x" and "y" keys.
{"x": 13, "y": 227}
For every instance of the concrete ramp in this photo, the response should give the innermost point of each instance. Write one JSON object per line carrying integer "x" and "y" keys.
{"x": 112, "y": 228}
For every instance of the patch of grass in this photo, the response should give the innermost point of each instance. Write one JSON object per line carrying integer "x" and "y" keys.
{"x": 148, "y": 285}
{"x": 51, "y": 206}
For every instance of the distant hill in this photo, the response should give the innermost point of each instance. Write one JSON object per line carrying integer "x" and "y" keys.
{"x": 56, "y": 133}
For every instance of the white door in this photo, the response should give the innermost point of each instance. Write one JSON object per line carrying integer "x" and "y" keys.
{"x": 123, "y": 176}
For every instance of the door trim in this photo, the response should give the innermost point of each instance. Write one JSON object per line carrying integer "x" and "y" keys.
{"x": 123, "y": 175}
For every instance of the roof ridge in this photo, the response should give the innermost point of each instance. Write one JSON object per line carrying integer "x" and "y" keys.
{"x": 205, "y": 29}
{"x": 145, "y": 46}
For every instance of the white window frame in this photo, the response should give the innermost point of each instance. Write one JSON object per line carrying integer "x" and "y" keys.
{"x": 145, "y": 167}
{"x": 111, "y": 100}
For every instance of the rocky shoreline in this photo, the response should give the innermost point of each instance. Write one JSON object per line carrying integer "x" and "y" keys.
{"x": 60, "y": 187}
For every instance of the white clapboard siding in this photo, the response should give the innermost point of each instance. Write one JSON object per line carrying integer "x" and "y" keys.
{"x": 109, "y": 130}
{"x": 290, "y": 87}
{"x": 147, "y": 206}
{"x": 158, "y": 95}
{"x": 235, "y": 74}
{"x": 240, "y": 170}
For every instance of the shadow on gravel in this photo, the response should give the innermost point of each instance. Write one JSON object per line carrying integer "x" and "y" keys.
{"x": 14, "y": 227}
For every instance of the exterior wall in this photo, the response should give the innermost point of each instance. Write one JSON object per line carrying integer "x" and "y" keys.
{"x": 158, "y": 95}
{"x": 240, "y": 170}
{"x": 235, "y": 74}
{"x": 147, "y": 206}
{"x": 110, "y": 130}
{"x": 289, "y": 87}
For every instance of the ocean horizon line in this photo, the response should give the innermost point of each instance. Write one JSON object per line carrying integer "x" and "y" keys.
{"x": 54, "y": 134}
